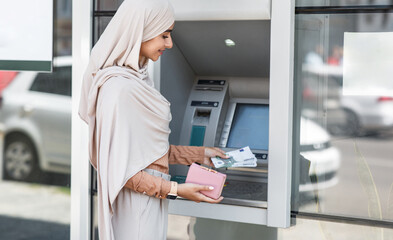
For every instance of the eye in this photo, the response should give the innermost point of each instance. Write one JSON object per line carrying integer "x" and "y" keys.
{"x": 165, "y": 37}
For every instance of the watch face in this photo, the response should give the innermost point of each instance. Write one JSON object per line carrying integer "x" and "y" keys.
{"x": 172, "y": 197}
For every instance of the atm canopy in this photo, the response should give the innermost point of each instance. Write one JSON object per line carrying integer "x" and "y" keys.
{"x": 203, "y": 44}
{"x": 188, "y": 10}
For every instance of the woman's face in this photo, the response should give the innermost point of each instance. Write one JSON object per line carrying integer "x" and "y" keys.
{"x": 155, "y": 47}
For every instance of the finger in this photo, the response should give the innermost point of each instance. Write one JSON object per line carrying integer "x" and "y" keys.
{"x": 205, "y": 188}
{"x": 213, "y": 151}
{"x": 217, "y": 200}
{"x": 211, "y": 200}
{"x": 209, "y": 162}
{"x": 222, "y": 155}
{"x": 220, "y": 150}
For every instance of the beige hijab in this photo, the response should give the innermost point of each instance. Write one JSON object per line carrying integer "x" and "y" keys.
{"x": 128, "y": 118}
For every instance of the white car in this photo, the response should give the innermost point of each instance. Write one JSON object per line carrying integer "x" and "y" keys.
{"x": 367, "y": 113}
{"x": 325, "y": 159}
{"x": 36, "y": 117}
{"x": 348, "y": 114}
{"x": 36, "y": 114}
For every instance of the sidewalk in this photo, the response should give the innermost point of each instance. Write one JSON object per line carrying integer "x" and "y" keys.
{"x": 31, "y": 211}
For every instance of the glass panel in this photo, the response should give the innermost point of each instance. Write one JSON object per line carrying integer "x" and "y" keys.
{"x": 57, "y": 82}
{"x": 311, "y": 230}
{"x": 94, "y": 220}
{"x": 105, "y": 5}
{"x": 179, "y": 227}
{"x": 303, "y": 3}
{"x": 35, "y": 136}
{"x": 63, "y": 28}
{"x": 345, "y": 99}
{"x": 100, "y": 24}
{"x": 183, "y": 227}
{"x": 94, "y": 205}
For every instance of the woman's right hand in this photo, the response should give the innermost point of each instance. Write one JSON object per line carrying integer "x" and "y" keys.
{"x": 191, "y": 191}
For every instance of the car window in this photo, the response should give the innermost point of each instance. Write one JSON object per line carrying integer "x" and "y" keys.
{"x": 57, "y": 82}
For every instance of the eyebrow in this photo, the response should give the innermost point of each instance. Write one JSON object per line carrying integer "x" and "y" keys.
{"x": 169, "y": 30}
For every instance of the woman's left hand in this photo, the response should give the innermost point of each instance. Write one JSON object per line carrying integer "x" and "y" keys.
{"x": 212, "y": 152}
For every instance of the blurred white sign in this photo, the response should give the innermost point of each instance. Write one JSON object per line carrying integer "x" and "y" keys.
{"x": 26, "y": 35}
{"x": 368, "y": 63}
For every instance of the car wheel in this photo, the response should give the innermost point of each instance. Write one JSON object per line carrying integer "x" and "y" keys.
{"x": 20, "y": 158}
{"x": 352, "y": 124}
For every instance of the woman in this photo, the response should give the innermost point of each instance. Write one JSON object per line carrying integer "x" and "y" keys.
{"x": 129, "y": 125}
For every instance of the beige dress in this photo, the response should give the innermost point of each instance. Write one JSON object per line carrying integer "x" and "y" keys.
{"x": 132, "y": 129}
{"x": 128, "y": 118}
{"x": 139, "y": 216}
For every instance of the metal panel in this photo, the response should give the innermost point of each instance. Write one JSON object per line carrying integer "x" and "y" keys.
{"x": 220, "y": 10}
{"x": 80, "y": 166}
{"x": 281, "y": 109}
{"x": 219, "y": 211}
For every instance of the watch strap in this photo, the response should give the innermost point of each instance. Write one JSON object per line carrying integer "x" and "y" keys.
{"x": 173, "y": 192}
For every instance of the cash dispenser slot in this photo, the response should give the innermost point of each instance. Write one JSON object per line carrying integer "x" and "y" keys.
{"x": 208, "y": 88}
{"x": 201, "y": 116}
{"x": 211, "y": 82}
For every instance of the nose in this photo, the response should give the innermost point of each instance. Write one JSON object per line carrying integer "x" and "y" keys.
{"x": 168, "y": 42}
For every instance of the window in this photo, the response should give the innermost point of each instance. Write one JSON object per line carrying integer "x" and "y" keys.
{"x": 35, "y": 168}
{"x": 341, "y": 86}
{"x": 58, "y": 82}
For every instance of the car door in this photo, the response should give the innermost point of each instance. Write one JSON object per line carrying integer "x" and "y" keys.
{"x": 52, "y": 109}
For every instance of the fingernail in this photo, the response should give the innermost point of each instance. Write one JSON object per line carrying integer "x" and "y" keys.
{"x": 211, "y": 188}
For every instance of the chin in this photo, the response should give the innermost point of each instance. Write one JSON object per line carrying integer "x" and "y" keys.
{"x": 154, "y": 59}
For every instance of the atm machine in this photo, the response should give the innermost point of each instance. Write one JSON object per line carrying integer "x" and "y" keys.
{"x": 220, "y": 113}
{"x": 229, "y": 88}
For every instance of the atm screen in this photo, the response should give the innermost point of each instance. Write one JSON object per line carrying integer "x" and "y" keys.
{"x": 250, "y": 127}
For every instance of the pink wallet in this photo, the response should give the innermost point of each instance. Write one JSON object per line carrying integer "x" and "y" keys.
{"x": 206, "y": 176}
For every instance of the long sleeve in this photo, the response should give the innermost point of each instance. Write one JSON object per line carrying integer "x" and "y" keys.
{"x": 143, "y": 182}
{"x": 186, "y": 155}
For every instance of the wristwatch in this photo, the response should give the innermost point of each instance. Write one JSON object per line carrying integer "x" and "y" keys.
{"x": 173, "y": 192}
